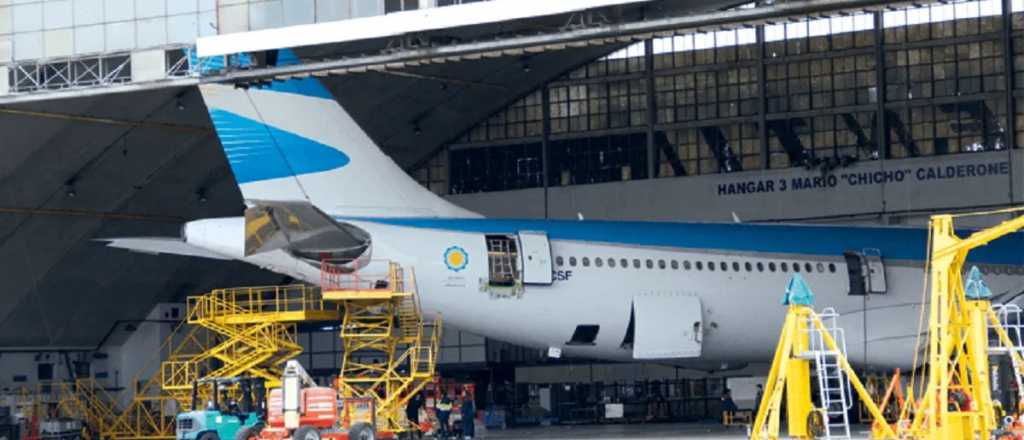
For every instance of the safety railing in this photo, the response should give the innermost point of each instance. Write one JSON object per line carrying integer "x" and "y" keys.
{"x": 252, "y": 301}
{"x": 373, "y": 275}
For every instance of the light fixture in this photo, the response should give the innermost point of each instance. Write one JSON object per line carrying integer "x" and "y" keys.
{"x": 416, "y": 130}
{"x": 180, "y": 105}
{"x": 201, "y": 195}
{"x": 526, "y": 67}
{"x": 69, "y": 187}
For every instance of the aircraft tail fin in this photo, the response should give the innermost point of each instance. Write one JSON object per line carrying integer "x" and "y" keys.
{"x": 292, "y": 141}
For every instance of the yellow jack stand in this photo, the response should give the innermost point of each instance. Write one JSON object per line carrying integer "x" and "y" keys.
{"x": 805, "y": 339}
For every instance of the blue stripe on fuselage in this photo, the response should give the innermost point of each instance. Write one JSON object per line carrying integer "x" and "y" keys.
{"x": 894, "y": 243}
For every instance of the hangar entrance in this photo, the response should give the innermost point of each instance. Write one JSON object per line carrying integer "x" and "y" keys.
{"x": 665, "y": 326}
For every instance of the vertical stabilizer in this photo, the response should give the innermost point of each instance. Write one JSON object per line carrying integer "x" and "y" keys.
{"x": 292, "y": 141}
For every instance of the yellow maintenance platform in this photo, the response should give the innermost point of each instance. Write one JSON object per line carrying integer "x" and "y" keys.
{"x": 390, "y": 350}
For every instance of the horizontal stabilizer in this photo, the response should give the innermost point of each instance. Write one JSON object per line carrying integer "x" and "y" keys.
{"x": 160, "y": 245}
{"x": 303, "y": 230}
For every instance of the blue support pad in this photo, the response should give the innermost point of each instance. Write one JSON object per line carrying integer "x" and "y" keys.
{"x": 798, "y": 292}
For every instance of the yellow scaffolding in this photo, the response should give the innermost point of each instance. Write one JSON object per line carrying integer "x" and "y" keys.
{"x": 390, "y": 351}
{"x": 249, "y": 331}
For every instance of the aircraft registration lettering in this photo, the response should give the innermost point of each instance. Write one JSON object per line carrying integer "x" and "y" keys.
{"x": 561, "y": 275}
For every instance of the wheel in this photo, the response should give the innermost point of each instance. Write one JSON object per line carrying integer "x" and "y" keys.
{"x": 815, "y": 424}
{"x": 209, "y": 436}
{"x": 305, "y": 433}
{"x": 248, "y": 432}
{"x": 360, "y": 431}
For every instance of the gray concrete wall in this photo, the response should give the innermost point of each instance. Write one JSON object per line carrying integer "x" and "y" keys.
{"x": 891, "y": 192}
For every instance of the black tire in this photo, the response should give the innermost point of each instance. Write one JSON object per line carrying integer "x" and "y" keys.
{"x": 360, "y": 431}
{"x": 306, "y": 433}
{"x": 247, "y": 432}
{"x": 209, "y": 436}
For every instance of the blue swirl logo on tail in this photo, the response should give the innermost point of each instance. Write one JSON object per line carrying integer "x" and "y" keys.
{"x": 257, "y": 151}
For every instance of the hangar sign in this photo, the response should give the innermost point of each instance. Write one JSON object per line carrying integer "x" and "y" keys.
{"x": 919, "y": 174}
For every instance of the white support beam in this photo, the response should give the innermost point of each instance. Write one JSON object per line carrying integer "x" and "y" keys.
{"x": 391, "y": 25}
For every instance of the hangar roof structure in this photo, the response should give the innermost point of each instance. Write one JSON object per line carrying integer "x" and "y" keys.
{"x": 140, "y": 161}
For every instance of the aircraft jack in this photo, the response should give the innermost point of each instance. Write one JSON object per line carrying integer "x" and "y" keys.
{"x": 390, "y": 351}
{"x": 809, "y": 338}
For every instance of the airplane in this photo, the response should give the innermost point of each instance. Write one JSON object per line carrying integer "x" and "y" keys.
{"x": 699, "y": 295}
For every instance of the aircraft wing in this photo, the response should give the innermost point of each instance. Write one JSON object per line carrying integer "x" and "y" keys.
{"x": 160, "y": 245}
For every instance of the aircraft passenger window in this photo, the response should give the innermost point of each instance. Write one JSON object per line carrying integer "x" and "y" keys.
{"x": 771, "y": 266}
{"x": 624, "y": 263}
{"x": 559, "y": 261}
{"x": 598, "y": 262}
{"x": 650, "y": 264}
{"x": 736, "y": 266}
{"x": 748, "y": 266}
{"x": 711, "y": 265}
{"x": 686, "y": 264}
{"x": 760, "y": 266}
{"x": 808, "y": 268}
{"x": 661, "y": 264}
{"x": 572, "y": 261}
{"x": 700, "y": 266}
{"x": 611, "y": 262}
{"x": 832, "y": 267}
{"x": 783, "y": 267}
{"x": 675, "y": 265}
{"x": 586, "y": 262}
{"x": 636, "y": 263}
{"x": 724, "y": 266}
{"x": 821, "y": 268}
{"x": 796, "y": 267}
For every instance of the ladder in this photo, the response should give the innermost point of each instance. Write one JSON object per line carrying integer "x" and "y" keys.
{"x": 834, "y": 393}
{"x": 1010, "y": 317}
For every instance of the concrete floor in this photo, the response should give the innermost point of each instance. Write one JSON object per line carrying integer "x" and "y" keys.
{"x": 630, "y": 432}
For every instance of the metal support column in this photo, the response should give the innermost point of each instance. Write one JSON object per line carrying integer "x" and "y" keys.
{"x": 653, "y": 164}
{"x": 1009, "y": 71}
{"x": 881, "y": 119}
{"x": 545, "y": 103}
{"x": 762, "y": 100}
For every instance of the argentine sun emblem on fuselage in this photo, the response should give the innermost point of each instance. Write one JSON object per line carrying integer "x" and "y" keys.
{"x": 456, "y": 258}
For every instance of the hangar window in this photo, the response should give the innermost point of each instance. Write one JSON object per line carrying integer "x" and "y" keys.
{"x": 611, "y": 262}
{"x": 636, "y": 263}
{"x": 796, "y": 267}
{"x": 808, "y": 268}
{"x": 700, "y": 266}
{"x": 748, "y": 266}
{"x": 832, "y": 267}
{"x": 44, "y": 371}
{"x": 598, "y": 262}
{"x": 661, "y": 264}
{"x": 624, "y": 263}
{"x": 650, "y": 264}
{"x": 559, "y": 260}
{"x": 675, "y": 265}
{"x": 771, "y": 266}
{"x": 736, "y": 266}
{"x": 711, "y": 265}
{"x": 572, "y": 261}
{"x": 586, "y": 262}
{"x": 400, "y": 5}
{"x": 686, "y": 264}
{"x": 783, "y": 267}
{"x": 760, "y": 266}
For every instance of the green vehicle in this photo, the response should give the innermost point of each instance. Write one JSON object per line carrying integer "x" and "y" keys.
{"x": 224, "y": 418}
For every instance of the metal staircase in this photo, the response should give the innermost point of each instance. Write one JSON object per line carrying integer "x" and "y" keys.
{"x": 1011, "y": 318}
{"x": 249, "y": 331}
{"x": 834, "y": 393}
{"x": 390, "y": 351}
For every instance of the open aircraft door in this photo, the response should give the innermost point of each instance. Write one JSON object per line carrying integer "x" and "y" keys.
{"x": 668, "y": 325}
{"x": 536, "y": 257}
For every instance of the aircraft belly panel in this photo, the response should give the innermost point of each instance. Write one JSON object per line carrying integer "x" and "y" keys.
{"x": 668, "y": 325}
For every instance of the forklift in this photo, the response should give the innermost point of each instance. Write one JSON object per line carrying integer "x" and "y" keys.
{"x": 223, "y": 417}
